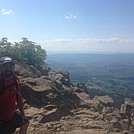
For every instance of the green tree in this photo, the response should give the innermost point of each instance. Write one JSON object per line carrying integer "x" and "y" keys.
{"x": 5, "y": 47}
{"x": 25, "y": 51}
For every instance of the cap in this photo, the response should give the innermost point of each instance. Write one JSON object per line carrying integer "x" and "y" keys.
{"x": 4, "y": 60}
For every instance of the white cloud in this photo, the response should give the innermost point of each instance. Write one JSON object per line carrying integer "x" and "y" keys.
{"x": 100, "y": 41}
{"x": 6, "y": 12}
{"x": 89, "y": 45}
{"x": 71, "y": 16}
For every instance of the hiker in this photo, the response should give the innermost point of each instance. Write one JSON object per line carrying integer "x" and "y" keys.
{"x": 10, "y": 100}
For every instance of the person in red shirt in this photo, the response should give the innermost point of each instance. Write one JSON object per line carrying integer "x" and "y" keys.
{"x": 11, "y": 99}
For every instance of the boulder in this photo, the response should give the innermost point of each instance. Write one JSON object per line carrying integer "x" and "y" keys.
{"x": 127, "y": 107}
{"x": 60, "y": 76}
{"x": 106, "y": 100}
{"x": 26, "y": 70}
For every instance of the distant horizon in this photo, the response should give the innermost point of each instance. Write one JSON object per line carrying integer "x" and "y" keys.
{"x": 86, "y": 52}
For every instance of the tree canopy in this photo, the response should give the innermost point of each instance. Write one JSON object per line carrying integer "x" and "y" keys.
{"x": 26, "y": 51}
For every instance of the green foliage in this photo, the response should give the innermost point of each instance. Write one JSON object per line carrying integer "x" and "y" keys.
{"x": 25, "y": 51}
{"x": 5, "y": 47}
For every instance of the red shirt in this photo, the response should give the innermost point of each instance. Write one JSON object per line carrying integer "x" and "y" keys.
{"x": 8, "y": 100}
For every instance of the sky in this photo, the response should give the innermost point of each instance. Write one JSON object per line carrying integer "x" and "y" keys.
{"x": 87, "y": 26}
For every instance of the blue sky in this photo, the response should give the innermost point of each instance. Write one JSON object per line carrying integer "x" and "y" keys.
{"x": 70, "y": 25}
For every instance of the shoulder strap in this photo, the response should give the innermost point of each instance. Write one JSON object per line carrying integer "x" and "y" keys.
{"x": 16, "y": 84}
{"x": 1, "y": 85}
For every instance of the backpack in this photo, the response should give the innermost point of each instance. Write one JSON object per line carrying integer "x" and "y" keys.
{"x": 2, "y": 85}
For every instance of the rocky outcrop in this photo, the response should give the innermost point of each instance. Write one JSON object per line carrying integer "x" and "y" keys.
{"x": 64, "y": 110}
{"x": 127, "y": 113}
{"x": 56, "y": 106}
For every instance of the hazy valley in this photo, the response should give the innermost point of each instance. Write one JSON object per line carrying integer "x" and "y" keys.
{"x": 103, "y": 74}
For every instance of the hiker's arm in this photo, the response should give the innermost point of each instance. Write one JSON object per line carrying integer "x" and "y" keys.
{"x": 20, "y": 105}
{"x": 19, "y": 98}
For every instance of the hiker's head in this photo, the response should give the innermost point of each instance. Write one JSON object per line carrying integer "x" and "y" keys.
{"x": 7, "y": 66}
